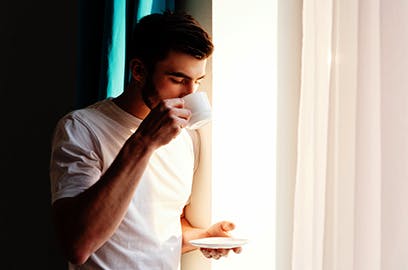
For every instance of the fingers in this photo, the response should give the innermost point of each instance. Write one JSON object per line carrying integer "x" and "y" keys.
{"x": 214, "y": 253}
{"x": 181, "y": 116}
{"x": 174, "y": 102}
{"x": 220, "y": 229}
{"x": 165, "y": 121}
{"x": 176, "y": 111}
{"x": 218, "y": 253}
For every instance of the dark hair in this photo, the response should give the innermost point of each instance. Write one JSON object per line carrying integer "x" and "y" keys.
{"x": 155, "y": 35}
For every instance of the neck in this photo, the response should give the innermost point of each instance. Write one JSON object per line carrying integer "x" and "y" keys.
{"x": 132, "y": 102}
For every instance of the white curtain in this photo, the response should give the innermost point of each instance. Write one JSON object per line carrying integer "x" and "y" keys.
{"x": 349, "y": 194}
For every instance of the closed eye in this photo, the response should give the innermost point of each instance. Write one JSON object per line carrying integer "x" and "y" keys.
{"x": 183, "y": 79}
{"x": 178, "y": 80}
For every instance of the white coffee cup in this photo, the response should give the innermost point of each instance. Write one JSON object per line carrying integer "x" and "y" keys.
{"x": 200, "y": 108}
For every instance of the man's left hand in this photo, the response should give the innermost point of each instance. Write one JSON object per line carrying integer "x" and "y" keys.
{"x": 220, "y": 229}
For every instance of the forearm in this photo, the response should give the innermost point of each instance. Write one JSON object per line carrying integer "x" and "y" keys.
{"x": 190, "y": 233}
{"x": 86, "y": 221}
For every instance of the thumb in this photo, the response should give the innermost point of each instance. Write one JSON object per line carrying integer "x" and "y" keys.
{"x": 227, "y": 226}
{"x": 222, "y": 228}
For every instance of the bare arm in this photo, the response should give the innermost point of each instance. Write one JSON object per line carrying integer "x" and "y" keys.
{"x": 85, "y": 222}
{"x": 190, "y": 233}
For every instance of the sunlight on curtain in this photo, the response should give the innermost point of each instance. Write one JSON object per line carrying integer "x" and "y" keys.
{"x": 244, "y": 127}
{"x": 309, "y": 210}
{"x": 337, "y": 213}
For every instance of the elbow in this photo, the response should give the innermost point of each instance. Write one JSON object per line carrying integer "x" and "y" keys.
{"x": 74, "y": 249}
{"x": 75, "y": 246}
{"x": 77, "y": 249}
{"x": 76, "y": 252}
{"x": 78, "y": 260}
{"x": 77, "y": 255}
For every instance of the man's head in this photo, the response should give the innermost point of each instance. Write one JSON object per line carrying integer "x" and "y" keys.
{"x": 156, "y": 35}
{"x": 168, "y": 56}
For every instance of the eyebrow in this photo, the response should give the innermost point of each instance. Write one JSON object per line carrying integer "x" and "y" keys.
{"x": 182, "y": 75}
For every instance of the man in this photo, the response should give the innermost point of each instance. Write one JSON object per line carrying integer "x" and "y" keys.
{"x": 121, "y": 169}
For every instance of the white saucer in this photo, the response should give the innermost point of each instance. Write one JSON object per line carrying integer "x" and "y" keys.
{"x": 219, "y": 242}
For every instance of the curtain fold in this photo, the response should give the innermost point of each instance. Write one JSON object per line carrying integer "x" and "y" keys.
{"x": 310, "y": 189}
{"x": 105, "y": 28}
{"x": 340, "y": 216}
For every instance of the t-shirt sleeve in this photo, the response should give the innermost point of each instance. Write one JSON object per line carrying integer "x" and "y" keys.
{"x": 75, "y": 162}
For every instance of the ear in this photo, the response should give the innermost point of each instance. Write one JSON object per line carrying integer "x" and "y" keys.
{"x": 138, "y": 70}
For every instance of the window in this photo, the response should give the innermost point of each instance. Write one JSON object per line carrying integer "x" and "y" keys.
{"x": 243, "y": 129}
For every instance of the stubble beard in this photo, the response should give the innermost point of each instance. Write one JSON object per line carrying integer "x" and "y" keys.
{"x": 150, "y": 94}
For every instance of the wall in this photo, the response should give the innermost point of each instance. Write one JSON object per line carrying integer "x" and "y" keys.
{"x": 199, "y": 212}
{"x": 37, "y": 83}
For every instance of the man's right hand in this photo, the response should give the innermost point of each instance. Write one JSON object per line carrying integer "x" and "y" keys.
{"x": 164, "y": 122}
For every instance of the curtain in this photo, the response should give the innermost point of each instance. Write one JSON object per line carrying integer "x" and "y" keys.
{"x": 323, "y": 226}
{"x": 105, "y": 28}
{"x": 349, "y": 207}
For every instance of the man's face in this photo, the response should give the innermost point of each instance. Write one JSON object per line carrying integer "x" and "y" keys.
{"x": 176, "y": 76}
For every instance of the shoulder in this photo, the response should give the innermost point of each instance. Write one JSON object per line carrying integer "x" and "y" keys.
{"x": 78, "y": 125}
{"x": 81, "y": 118}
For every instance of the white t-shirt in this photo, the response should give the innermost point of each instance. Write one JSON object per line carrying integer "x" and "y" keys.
{"x": 85, "y": 143}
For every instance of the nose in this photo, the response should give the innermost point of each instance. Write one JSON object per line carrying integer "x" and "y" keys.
{"x": 191, "y": 87}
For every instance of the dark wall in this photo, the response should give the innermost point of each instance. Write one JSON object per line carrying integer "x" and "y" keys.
{"x": 38, "y": 49}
